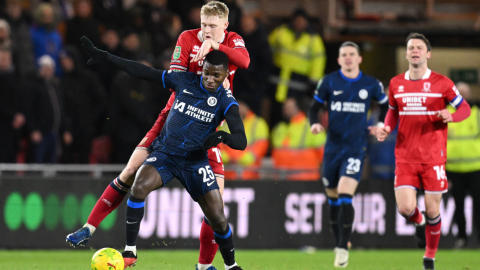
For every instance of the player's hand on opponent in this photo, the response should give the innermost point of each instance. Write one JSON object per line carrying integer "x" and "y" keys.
{"x": 214, "y": 139}
{"x": 445, "y": 115}
{"x": 204, "y": 49}
{"x": 373, "y": 130}
{"x": 226, "y": 83}
{"x": 316, "y": 128}
{"x": 96, "y": 55}
{"x": 382, "y": 133}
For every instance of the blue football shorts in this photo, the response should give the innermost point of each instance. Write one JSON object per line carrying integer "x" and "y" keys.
{"x": 196, "y": 175}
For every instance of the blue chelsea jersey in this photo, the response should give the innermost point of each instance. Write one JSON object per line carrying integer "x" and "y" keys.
{"x": 348, "y": 102}
{"x": 195, "y": 114}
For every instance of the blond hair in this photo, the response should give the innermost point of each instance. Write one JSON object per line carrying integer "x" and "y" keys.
{"x": 215, "y": 9}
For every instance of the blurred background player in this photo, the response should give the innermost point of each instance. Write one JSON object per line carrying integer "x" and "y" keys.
{"x": 348, "y": 94}
{"x": 418, "y": 98}
{"x": 463, "y": 164}
{"x": 191, "y": 48}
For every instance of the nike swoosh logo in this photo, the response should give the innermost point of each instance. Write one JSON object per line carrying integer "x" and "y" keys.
{"x": 131, "y": 222}
{"x": 335, "y": 93}
{"x": 211, "y": 183}
{"x": 186, "y": 92}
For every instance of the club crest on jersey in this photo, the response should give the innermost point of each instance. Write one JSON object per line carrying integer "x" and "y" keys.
{"x": 177, "y": 52}
{"x": 426, "y": 87}
{"x": 363, "y": 94}
{"x": 212, "y": 101}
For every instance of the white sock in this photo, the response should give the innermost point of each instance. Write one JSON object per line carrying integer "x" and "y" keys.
{"x": 230, "y": 267}
{"x": 203, "y": 266}
{"x": 90, "y": 227}
{"x": 132, "y": 249}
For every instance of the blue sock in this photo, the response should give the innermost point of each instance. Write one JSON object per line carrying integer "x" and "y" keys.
{"x": 334, "y": 207}
{"x": 134, "y": 215}
{"x": 225, "y": 244}
{"x": 346, "y": 217}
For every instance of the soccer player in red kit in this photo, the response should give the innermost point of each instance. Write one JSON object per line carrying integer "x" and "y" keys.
{"x": 191, "y": 48}
{"x": 418, "y": 98}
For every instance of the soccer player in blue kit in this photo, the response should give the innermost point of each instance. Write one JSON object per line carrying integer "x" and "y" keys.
{"x": 180, "y": 151}
{"x": 347, "y": 93}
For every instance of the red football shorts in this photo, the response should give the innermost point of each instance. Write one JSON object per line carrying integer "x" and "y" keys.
{"x": 429, "y": 177}
{"x": 215, "y": 160}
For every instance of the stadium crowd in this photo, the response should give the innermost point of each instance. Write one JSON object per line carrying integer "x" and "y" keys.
{"x": 56, "y": 109}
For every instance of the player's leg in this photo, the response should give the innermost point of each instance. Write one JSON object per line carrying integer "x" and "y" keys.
{"x": 212, "y": 206}
{"x": 330, "y": 167}
{"x": 147, "y": 180}
{"x": 435, "y": 184}
{"x": 459, "y": 192}
{"x": 208, "y": 246}
{"x": 432, "y": 228}
{"x": 111, "y": 198}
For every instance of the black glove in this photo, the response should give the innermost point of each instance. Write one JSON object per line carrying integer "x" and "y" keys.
{"x": 215, "y": 138}
{"x": 96, "y": 55}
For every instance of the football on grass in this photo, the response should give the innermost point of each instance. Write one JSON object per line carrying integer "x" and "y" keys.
{"x": 107, "y": 259}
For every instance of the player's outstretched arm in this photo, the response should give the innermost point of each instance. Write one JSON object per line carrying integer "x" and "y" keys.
{"x": 131, "y": 67}
{"x": 315, "y": 126}
{"x": 236, "y": 139}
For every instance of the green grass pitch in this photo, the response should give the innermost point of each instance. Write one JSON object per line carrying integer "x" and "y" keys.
{"x": 247, "y": 259}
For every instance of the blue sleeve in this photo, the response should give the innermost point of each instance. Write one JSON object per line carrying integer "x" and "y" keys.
{"x": 322, "y": 91}
{"x": 379, "y": 93}
{"x": 227, "y": 101}
{"x": 171, "y": 79}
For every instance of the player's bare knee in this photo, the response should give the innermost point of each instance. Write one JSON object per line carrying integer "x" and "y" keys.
{"x": 139, "y": 190}
{"x": 218, "y": 222}
{"x": 405, "y": 210}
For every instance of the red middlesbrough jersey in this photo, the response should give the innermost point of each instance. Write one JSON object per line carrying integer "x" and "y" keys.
{"x": 189, "y": 43}
{"x": 422, "y": 136}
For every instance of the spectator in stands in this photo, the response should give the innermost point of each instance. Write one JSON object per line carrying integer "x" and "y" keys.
{"x": 82, "y": 89}
{"x": 252, "y": 81}
{"x": 11, "y": 117}
{"x": 110, "y": 41}
{"x": 129, "y": 45}
{"x": 463, "y": 164}
{"x": 193, "y": 19}
{"x": 294, "y": 146}
{"x": 5, "y": 41}
{"x": 82, "y": 24}
{"x": 137, "y": 23}
{"x": 165, "y": 33}
{"x": 45, "y": 113}
{"x": 299, "y": 58}
{"x": 250, "y": 159}
{"x": 135, "y": 106}
{"x": 234, "y": 15}
{"x": 109, "y": 12}
{"x": 46, "y": 39}
{"x": 22, "y": 50}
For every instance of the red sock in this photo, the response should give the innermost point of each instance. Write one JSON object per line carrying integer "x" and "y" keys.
{"x": 432, "y": 233}
{"x": 111, "y": 198}
{"x": 416, "y": 216}
{"x": 208, "y": 246}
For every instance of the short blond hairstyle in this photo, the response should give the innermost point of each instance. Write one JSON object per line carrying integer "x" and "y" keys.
{"x": 215, "y": 9}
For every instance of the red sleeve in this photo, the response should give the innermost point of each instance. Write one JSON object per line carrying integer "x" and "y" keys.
{"x": 181, "y": 54}
{"x": 236, "y": 51}
{"x": 392, "y": 102}
{"x": 157, "y": 127}
{"x": 391, "y": 119}
{"x": 451, "y": 94}
{"x": 462, "y": 113}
